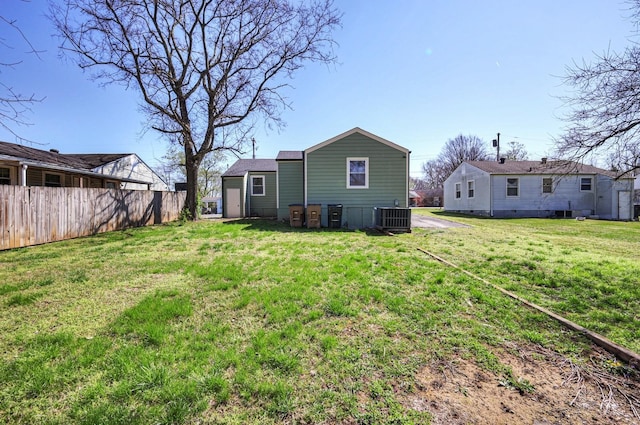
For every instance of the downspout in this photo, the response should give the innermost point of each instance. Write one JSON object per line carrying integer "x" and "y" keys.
{"x": 406, "y": 200}
{"x": 23, "y": 174}
{"x": 304, "y": 177}
{"x": 490, "y": 195}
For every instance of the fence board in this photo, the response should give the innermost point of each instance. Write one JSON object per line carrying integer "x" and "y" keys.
{"x": 36, "y": 215}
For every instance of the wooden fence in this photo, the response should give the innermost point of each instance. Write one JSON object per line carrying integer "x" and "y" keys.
{"x": 36, "y": 215}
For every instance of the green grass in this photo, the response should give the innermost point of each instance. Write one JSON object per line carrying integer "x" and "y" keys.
{"x": 253, "y": 322}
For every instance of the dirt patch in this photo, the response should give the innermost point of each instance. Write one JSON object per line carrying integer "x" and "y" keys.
{"x": 552, "y": 390}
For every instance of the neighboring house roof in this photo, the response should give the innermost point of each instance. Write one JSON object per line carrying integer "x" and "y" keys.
{"x": 53, "y": 160}
{"x": 539, "y": 167}
{"x": 357, "y": 130}
{"x": 94, "y": 160}
{"x": 243, "y": 166}
{"x": 290, "y": 156}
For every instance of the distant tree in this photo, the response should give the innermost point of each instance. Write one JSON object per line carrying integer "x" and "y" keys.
{"x": 204, "y": 68}
{"x": 604, "y": 107}
{"x": 516, "y": 152}
{"x": 417, "y": 184}
{"x": 455, "y": 152}
{"x": 13, "y": 104}
{"x": 173, "y": 167}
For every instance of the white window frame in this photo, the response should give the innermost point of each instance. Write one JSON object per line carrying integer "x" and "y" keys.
{"x": 590, "y": 184}
{"x": 11, "y": 174}
{"x": 366, "y": 173}
{"x": 264, "y": 185}
{"x": 550, "y": 185}
{"x": 44, "y": 178}
{"x": 517, "y": 187}
{"x": 457, "y": 189}
{"x": 471, "y": 189}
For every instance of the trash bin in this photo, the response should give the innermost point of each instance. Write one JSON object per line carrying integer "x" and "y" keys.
{"x": 335, "y": 215}
{"x": 313, "y": 216}
{"x": 296, "y": 212}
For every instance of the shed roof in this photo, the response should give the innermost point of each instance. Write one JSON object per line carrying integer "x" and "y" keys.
{"x": 243, "y": 166}
{"x": 539, "y": 167}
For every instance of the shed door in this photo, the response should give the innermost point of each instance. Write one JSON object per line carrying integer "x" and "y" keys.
{"x": 624, "y": 205}
{"x": 232, "y": 203}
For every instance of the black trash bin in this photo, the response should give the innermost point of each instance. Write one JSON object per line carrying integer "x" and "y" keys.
{"x": 335, "y": 215}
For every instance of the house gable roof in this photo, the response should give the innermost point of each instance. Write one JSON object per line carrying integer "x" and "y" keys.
{"x": 353, "y": 131}
{"x": 244, "y": 166}
{"x": 538, "y": 167}
{"x": 94, "y": 160}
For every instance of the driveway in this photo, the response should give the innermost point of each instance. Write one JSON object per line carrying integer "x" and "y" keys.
{"x": 419, "y": 220}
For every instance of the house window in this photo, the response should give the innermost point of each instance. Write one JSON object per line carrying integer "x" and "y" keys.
{"x": 110, "y": 184}
{"x": 257, "y": 186}
{"x": 458, "y": 190}
{"x": 5, "y": 175}
{"x": 52, "y": 180}
{"x": 512, "y": 186}
{"x": 357, "y": 173}
{"x": 585, "y": 184}
{"x": 547, "y": 185}
{"x": 471, "y": 189}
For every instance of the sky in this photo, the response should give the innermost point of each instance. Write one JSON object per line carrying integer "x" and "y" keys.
{"x": 415, "y": 72}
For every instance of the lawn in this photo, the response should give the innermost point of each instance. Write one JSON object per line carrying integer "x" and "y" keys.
{"x": 251, "y": 322}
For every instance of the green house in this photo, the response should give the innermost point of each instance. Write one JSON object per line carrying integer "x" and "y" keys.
{"x": 349, "y": 176}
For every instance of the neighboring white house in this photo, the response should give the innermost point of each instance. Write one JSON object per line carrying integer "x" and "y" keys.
{"x": 127, "y": 165}
{"x": 538, "y": 189}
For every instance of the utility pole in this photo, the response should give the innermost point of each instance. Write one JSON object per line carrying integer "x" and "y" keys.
{"x": 496, "y": 144}
{"x": 253, "y": 143}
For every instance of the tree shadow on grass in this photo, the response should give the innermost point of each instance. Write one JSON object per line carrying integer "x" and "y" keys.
{"x": 272, "y": 225}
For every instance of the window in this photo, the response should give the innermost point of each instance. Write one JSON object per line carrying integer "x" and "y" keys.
{"x": 458, "y": 190}
{"x": 5, "y": 175}
{"x": 547, "y": 185}
{"x": 357, "y": 173}
{"x": 585, "y": 184}
{"x": 257, "y": 186}
{"x": 512, "y": 186}
{"x": 471, "y": 186}
{"x": 52, "y": 180}
{"x": 110, "y": 184}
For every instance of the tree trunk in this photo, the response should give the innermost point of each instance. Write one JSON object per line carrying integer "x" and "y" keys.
{"x": 192, "y": 164}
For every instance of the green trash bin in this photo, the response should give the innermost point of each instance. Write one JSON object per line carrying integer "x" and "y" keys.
{"x": 335, "y": 215}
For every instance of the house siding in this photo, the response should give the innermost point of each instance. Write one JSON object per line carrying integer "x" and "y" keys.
{"x": 326, "y": 177}
{"x": 480, "y": 203}
{"x": 262, "y": 206}
{"x": 291, "y": 190}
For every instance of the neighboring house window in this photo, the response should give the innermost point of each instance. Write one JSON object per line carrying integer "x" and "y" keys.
{"x": 110, "y": 184}
{"x": 357, "y": 173}
{"x": 5, "y": 176}
{"x": 547, "y": 185}
{"x": 471, "y": 186}
{"x": 52, "y": 180}
{"x": 585, "y": 184}
{"x": 458, "y": 190}
{"x": 512, "y": 186}
{"x": 257, "y": 186}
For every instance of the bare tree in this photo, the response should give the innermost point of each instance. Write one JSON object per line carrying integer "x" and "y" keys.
{"x": 455, "y": 152}
{"x": 516, "y": 152}
{"x": 604, "y": 108}
{"x": 204, "y": 68}
{"x": 13, "y": 104}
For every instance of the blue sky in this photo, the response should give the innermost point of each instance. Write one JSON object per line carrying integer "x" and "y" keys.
{"x": 416, "y": 72}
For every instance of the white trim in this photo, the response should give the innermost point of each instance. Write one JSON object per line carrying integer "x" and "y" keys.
{"x": 264, "y": 184}
{"x": 366, "y": 172}
{"x": 471, "y": 187}
{"x": 353, "y": 131}
{"x": 591, "y": 184}
{"x": 517, "y": 187}
{"x": 456, "y": 191}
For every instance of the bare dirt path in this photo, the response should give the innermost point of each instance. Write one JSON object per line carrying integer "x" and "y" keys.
{"x": 418, "y": 220}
